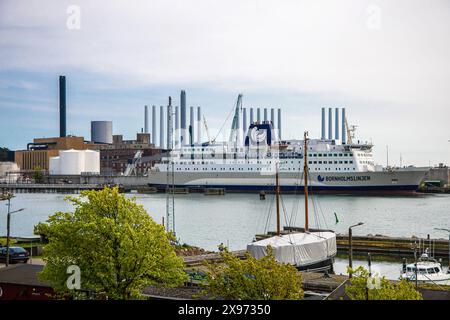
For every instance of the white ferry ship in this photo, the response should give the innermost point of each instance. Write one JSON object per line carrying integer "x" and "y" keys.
{"x": 249, "y": 166}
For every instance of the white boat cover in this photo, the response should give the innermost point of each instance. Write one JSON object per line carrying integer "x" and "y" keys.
{"x": 299, "y": 249}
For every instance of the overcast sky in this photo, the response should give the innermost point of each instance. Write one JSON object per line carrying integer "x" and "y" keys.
{"x": 387, "y": 62}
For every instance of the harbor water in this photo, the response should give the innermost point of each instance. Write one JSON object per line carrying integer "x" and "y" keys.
{"x": 234, "y": 219}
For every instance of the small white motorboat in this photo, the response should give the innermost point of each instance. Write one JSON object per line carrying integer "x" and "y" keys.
{"x": 426, "y": 270}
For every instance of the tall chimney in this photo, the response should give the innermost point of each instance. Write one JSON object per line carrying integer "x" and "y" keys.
{"x": 336, "y": 123}
{"x": 252, "y": 119}
{"x": 244, "y": 122}
{"x": 183, "y": 117}
{"x": 169, "y": 125}
{"x": 279, "y": 123}
{"x": 154, "y": 125}
{"x": 146, "y": 119}
{"x": 161, "y": 127}
{"x": 265, "y": 114}
{"x": 272, "y": 116}
{"x": 199, "y": 125}
{"x": 62, "y": 106}
{"x": 330, "y": 123}
{"x": 191, "y": 124}
{"x": 258, "y": 115}
{"x": 344, "y": 132}
{"x": 323, "y": 124}
{"x": 177, "y": 127}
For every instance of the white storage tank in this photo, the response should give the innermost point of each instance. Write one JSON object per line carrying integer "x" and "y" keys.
{"x": 71, "y": 162}
{"x": 101, "y": 131}
{"x": 91, "y": 161}
{"x": 53, "y": 165}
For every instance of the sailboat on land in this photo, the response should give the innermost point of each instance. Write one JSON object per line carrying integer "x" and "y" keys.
{"x": 307, "y": 250}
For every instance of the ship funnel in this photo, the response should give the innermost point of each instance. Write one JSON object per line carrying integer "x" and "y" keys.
{"x": 161, "y": 127}
{"x": 279, "y": 123}
{"x": 330, "y": 123}
{"x": 146, "y": 119}
{"x": 336, "y": 123}
{"x": 199, "y": 125}
{"x": 191, "y": 124}
{"x": 323, "y": 124}
{"x": 183, "y": 117}
{"x": 154, "y": 125}
{"x": 344, "y": 132}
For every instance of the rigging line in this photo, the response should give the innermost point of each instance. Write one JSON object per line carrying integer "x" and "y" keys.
{"x": 284, "y": 210}
{"x": 269, "y": 210}
{"x": 226, "y": 120}
{"x": 296, "y": 199}
{"x": 296, "y": 203}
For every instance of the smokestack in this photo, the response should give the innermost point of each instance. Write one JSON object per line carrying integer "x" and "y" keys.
{"x": 183, "y": 117}
{"x": 244, "y": 122}
{"x": 252, "y": 119}
{"x": 154, "y": 125}
{"x": 258, "y": 114}
{"x": 146, "y": 119}
{"x": 191, "y": 124}
{"x": 265, "y": 114}
{"x": 344, "y": 132}
{"x": 169, "y": 125}
{"x": 279, "y": 124}
{"x": 336, "y": 123}
{"x": 161, "y": 127}
{"x": 62, "y": 106}
{"x": 323, "y": 124}
{"x": 272, "y": 116}
{"x": 199, "y": 125}
{"x": 177, "y": 127}
{"x": 330, "y": 123}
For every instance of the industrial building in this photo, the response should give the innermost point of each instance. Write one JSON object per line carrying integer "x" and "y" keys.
{"x": 115, "y": 157}
{"x": 40, "y": 151}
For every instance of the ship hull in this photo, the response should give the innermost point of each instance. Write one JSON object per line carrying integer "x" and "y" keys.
{"x": 389, "y": 182}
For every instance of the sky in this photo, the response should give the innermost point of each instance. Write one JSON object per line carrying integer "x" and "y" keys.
{"x": 385, "y": 61}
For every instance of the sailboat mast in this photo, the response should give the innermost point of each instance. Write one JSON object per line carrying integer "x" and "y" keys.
{"x": 277, "y": 194}
{"x": 305, "y": 173}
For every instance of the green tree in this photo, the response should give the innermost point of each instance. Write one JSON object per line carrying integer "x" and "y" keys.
{"x": 117, "y": 246}
{"x": 38, "y": 176}
{"x": 253, "y": 279}
{"x": 363, "y": 287}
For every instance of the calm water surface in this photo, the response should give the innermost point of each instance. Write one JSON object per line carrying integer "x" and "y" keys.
{"x": 234, "y": 219}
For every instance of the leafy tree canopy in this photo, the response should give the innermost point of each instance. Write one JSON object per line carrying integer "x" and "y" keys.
{"x": 253, "y": 279}
{"x": 115, "y": 243}
{"x": 363, "y": 287}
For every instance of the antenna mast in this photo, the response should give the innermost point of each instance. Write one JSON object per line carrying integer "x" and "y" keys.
{"x": 305, "y": 173}
{"x": 170, "y": 189}
{"x": 277, "y": 194}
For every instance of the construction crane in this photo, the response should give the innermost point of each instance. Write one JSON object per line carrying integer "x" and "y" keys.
{"x": 350, "y": 131}
{"x": 131, "y": 167}
{"x": 206, "y": 129}
{"x": 234, "y": 134}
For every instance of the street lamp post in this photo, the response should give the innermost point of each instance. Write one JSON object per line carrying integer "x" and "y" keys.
{"x": 350, "y": 244}
{"x": 448, "y": 230}
{"x": 8, "y": 227}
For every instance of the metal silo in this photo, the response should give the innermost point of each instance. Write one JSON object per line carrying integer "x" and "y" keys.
{"x": 101, "y": 131}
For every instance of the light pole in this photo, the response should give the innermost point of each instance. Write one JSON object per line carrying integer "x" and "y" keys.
{"x": 350, "y": 249}
{"x": 8, "y": 227}
{"x": 448, "y": 230}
